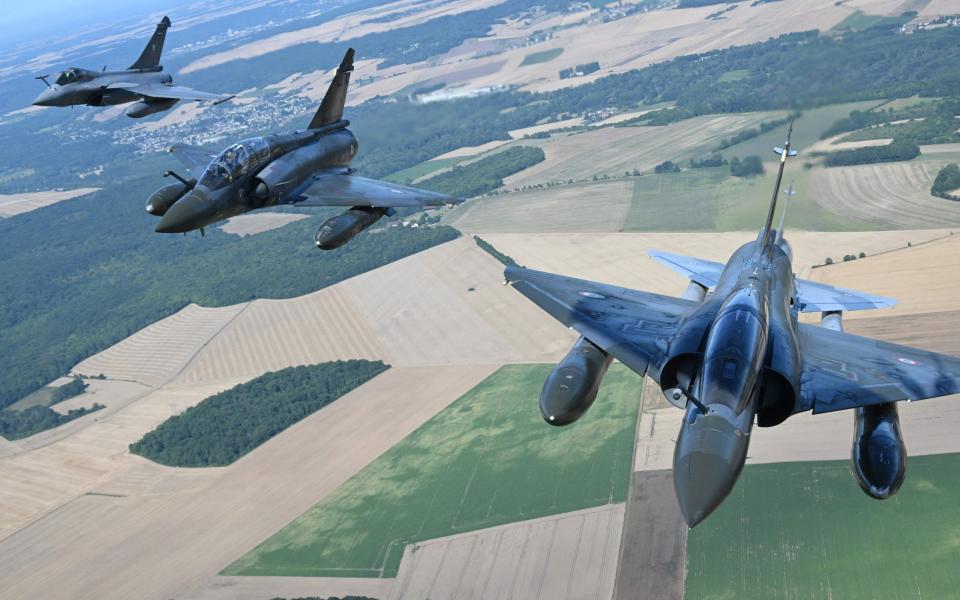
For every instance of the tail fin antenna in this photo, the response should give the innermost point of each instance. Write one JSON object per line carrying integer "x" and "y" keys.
{"x": 784, "y": 152}
{"x": 150, "y": 57}
{"x": 331, "y": 108}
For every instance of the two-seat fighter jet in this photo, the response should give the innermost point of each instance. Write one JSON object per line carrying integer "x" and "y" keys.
{"x": 731, "y": 352}
{"x": 144, "y": 83}
{"x": 308, "y": 167}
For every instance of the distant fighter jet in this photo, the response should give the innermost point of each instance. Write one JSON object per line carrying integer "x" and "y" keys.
{"x": 144, "y": 83}
{"x": 730, "y": 351}
{"x": 307, "y": 167}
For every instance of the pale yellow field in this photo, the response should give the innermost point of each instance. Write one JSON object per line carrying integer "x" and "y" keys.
{"x": 572, "y": 555}
{"x": 473, "y": 150}
{"x": 613, "y": 150}
{"x": 941, "y": 7}
{"x": 519, "y": 133}
{"x": 922, "y": 278}
{"x": 15, "y": 204}
{"x": 254, "y": 223}
{"x": 889, "y": 194}
{"x": 144, "y": 531}
{"x": 158, "y": 352}
{"x": 596, "y": 207}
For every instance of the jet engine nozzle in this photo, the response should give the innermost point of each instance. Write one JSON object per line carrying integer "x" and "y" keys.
{"x": 572, "y": 386}
{"x": 337, "y": 231}
{"x": 161, "y": 200}
{"x": 879, "y": 455}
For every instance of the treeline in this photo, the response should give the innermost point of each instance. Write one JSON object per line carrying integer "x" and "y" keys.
{"x": 18, "y": 424}
{"x": 948, "y": 180}
{"x": 748, "y": 167}
{"x": 894, "y": 151}
{"x": 926, "y": 123}
{"x": 489, "y": 249}
{"x": 486, "y": 174}
{"x": 749, "y": 134}
{"x": 224, "y": 427}
{"x": 104, "y": 275}
{"x": 67, "y": 391}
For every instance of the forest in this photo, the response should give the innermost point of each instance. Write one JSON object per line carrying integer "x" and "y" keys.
{"x": 947, "y": 181}
{"x": 225, "y": 426}
{"x": 18, "y": 424}
{"x": 896, "y": 150}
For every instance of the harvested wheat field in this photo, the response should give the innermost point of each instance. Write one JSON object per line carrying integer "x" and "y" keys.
{"x": 621, "y": 258}
{"x": 890, "y": 195}
{"x": 183, "y": 526}
{"x": 923, "y": 278}
{"x": 15, "y": 204}
{"x": 613, "y": 150}
{"x": 158, "y": 352}
{"x": 571, "y": 555}
{"x": 255, "y": 223}
{"x": 595, "y": 207}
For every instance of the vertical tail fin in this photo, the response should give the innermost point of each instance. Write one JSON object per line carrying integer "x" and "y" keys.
{"x": 764, "y": 237}
{"x": 331, "y": 109}
{"x": 150, "y": 57}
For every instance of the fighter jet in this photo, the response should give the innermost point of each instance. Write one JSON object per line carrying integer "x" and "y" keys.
{"x": 730, "y": 352}
{"x": 308, "y": 167}
{"x": 144, "y": 83}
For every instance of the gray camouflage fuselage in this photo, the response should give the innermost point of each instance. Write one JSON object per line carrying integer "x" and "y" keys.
{"x": 91, "y": 88}
{"x": 259, "y": 172}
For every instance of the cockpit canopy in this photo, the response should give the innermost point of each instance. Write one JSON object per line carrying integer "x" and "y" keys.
{"x": 234, "y": 162}
{"x": 73, "y": 75}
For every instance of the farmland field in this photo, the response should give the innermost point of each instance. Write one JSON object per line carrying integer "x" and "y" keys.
{"x": 805, "y": 530}
{"x": 488, "y": 459}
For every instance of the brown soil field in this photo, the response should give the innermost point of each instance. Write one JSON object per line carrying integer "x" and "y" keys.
{"x": 888, "y": 195}
{"x": 15, "y": 204}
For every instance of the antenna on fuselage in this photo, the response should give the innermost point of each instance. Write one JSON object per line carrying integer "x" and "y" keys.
{"x": 783, "y": 153}
{"x": 783, "y": 214}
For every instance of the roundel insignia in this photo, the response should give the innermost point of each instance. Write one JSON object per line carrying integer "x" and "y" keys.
{"x": 593, "y": 295}
{"x": 908, "y": 361}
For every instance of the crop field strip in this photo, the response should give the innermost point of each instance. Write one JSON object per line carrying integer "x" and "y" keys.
{"x": 487, "y": 460}
{"x": 805, "y": 530}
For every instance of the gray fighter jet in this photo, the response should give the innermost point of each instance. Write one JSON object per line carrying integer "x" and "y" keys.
{"x": 730, "y": 352}
{"x": 308, "y": 167}
{"x": 144, "y": 83}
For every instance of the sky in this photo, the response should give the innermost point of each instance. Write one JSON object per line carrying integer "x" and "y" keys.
{"x": 28, "y": 19}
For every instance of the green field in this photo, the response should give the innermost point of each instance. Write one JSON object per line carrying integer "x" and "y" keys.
{"x": 486, "y": 460}
{"x": 806, "y": 131}
{"x": 806, "y": 531}
{"x": 541, "y": 57}
{"x": 425, "y": 168}
{"x": 712, "y": 200}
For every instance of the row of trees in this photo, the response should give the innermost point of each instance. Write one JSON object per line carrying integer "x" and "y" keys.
{"x": 486, "y": 174}
{"x": 17, "y": 424}
{"x": 228, "y": 425}
{"x": 894, "y": 151}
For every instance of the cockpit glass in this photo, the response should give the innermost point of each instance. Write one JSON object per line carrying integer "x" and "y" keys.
{"x": 68, "y": 76}
{"x": 235, "y": 162}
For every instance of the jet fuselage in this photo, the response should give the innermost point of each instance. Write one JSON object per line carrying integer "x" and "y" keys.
{"x": 91, "y": 88}
{"x": 259, "y": 172}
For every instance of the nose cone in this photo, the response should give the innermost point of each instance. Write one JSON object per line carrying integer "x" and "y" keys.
{"x": 707, "y": 460}
{"x": 47, "y": 98}
{"x": 188, "y": 213}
